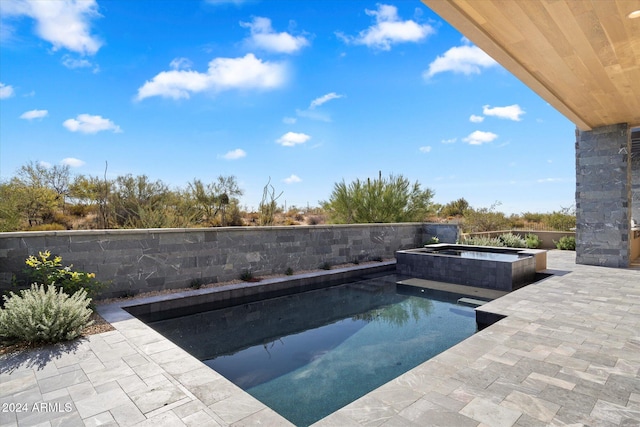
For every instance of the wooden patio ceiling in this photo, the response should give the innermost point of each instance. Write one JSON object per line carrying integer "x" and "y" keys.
{"x": 581, "y": 56}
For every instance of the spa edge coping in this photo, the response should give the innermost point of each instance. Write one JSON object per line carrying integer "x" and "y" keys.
{"x": 539, "y": 254}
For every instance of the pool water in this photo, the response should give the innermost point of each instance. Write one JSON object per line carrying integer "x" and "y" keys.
{"x": 307, "y": 355}
{"x": 491, "y": 256}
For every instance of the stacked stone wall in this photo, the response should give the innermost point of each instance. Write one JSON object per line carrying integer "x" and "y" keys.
{"x": 135, "y": 261}
{"x": 603, "y": 196}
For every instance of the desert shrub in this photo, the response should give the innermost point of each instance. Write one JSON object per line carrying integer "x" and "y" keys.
{"x": 485, "y": 219}
{"x": 314, "y": 220}
{"x": 481, "y": 241}
{"x": 563, "y": 220}
{"x": 379, "y": 200}
{"x": 42, "y": 269}
{"x": 44, "y": 314}
{"x": 566, "y": 243}
{"x": 532, "y": 241}
{"x": 512, "y": 240}
{"x": 79, "y": 210}
{"x": 455, "y": 208}
{"x": 533, "y": 217}
{"x": 48, "y": 227}
{"x": 247, "y": 276}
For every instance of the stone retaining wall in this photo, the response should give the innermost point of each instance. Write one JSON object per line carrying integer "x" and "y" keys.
{"x": 155, "y": 259}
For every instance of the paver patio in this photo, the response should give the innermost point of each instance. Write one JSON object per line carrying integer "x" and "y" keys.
{"x": 568, "y": 353}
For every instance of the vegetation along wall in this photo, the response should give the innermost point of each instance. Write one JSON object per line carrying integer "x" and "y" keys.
{"x": 144, "y": 260}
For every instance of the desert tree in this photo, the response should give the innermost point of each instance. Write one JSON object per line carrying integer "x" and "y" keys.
{"x": 380, "y": 200}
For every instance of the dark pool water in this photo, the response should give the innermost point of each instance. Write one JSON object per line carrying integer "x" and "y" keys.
{"x": 307, "y": 355}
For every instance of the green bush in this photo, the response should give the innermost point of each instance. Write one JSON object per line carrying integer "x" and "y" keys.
{"x": 566, "y": 243}
{"x": 432, "y": 241}
{"x": 42, "y": 269}
{"x": 563, "y": 220}
{"x": 532, "y": 241}
{"x": 247, "y": 276}
{"x": 48, "y": 227}
{"x": 485, "y": 219}
{"x": 511, "y": 240}
{"x": 44, "y": 315}
{"x": 482, "y": 241}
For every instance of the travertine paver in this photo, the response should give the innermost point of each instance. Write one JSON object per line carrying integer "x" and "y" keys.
{"x": 568, "y": 353}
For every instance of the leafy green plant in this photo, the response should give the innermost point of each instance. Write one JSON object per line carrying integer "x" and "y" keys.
{"x": 44, "y": 314}
{"x": 481, "y": 241}
{"x": 247, "y": 276}
{"x": 288, "y": 271}
{"x": 511, "y": 240}
{"x": 196, "y": 284}
{"x": 432, "y": 241}
{"x": 49, "y": 271}
{"x": 566, "y": 243}
{"x": 532, "y": 241}
{"x": 325, "y": 266}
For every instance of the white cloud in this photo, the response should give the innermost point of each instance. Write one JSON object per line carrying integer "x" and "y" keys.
{"x": 289, "y": 120}
{"x": 460, "y": 59}
{"x": 264, "y": 37}
{"x": 323, "y": 99}
{"x": 291, "y": 139}
{"x": 220, "y": 2}
{"x": 292, "y": 179}
{"x": 476, "y": 119}
{"x": 510, "y": 112}
{"x": 180, "y": 64}
{"x": 545, "y": 180}
{"x": 6, "y": 91}
{"x": 44, "y": 164}
{"x": 64, "y": 24}
{"x": 425, "y": 149}
{"x": 314, "y": 115}
{"x": 479, "y": 137}
{"x": 388, "y": 29}
{"x": 72, "y": 162}
{"x": 34, "y": 114}
{"x": 87, "y": 123}
{"x": 449, "y": 141}
{"x": 238, "y": 153}
{"x": 72, "y": 63}
{"x": 223, "y": 74}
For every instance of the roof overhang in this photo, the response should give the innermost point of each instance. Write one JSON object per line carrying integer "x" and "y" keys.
{"x": 581, "y": 56}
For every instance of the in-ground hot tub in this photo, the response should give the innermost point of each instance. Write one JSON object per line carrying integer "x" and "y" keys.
{"x": 504, "y": 269}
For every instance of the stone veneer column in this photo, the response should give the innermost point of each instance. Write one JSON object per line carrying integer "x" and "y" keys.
{"x": 635, "y": 182}
{"x": 603, "y": 196}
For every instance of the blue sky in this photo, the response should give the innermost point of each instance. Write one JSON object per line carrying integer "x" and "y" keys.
{"x": 304, "y": 92}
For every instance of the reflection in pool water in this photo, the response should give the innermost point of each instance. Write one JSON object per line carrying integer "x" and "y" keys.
{"x": 308, "y": 354}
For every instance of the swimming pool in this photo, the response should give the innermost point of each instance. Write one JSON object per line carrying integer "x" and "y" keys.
{"x": 306, "y": 355}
